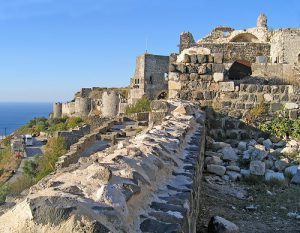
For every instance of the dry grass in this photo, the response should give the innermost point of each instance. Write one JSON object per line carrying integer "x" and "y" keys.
{"x": 8, "y": 162}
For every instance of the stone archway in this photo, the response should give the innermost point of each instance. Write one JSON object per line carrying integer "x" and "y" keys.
{"x": 239, "y": 69}
{"x": 244, "y": 37}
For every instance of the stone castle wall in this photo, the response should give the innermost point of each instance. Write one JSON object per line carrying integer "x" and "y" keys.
{"x": 149, "y": 78}
{"x": 202, "y": 79}
{"x": 239, "y": 50}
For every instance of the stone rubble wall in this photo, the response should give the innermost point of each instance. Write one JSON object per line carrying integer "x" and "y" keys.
{"x": 203, "y": 79}
{"x": 82, "y": 144}
{"x": 238, "y": 50}
{"x": 72, "y": 136}
{"x": 149, "y": 183}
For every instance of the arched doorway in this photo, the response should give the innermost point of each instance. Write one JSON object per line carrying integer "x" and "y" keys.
{"x": 239, "y": 69}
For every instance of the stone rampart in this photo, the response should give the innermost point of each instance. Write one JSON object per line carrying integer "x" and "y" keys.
{"x": 82, "y": 144}
{"x": 149, "y": 183}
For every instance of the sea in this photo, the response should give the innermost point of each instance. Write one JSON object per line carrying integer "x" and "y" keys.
{"x": 14, "y": 115}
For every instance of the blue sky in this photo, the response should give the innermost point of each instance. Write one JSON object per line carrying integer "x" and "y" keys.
{"x": 49, "y": 49}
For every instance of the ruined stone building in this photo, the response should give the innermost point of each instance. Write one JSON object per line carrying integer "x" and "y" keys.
{"x": 150, "y": 78}
{"x": 224, "y": 54}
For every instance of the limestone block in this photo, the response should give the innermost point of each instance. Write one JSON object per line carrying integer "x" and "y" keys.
{"x": 229, "y": 154}
{"x": 218, "y": 68}
{"x": 173, "y": 76}
{"x": 206, "y": 77}
{"x": 216, "y": 169}
{"x": 174, "y": 85}
{"x": 210, "y": 58}
{"x": 202, "y": 58}
{"x": 268, "y": 97}
{"x": 226, "y": 86}
{"x": 270, "y": 175}
{"x": 218, "y": 77}
{"x": 194, "y": 76}
{"x": 233, "y": 175}
{"x": 296, "y": 178}
{"x": 290, "y": 106}
{"x": 257, "y": 168}
{"x": 218, "y": 58}
{"x": 202, "y": 69}
{"x": 281, "y": 164}
{"x": 193, "y": 58}
{"x": 181, "y": 68}
{"x": 261, "y": 59}
{"x": 275, "y": 107}
{"x": 292, "y": 169}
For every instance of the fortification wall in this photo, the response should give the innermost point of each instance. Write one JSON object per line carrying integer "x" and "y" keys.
{"x": 57, "y": 110}
{"x": 238, "y": 50}
{"x": 285, "y": 45}
{"x": 141, "y": 186}
{"x": 202, "y": 79}
{"x": 72, "y": 136}
{"x": 68, "y": 109}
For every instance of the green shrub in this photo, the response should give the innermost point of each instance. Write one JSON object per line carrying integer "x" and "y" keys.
{"x": 142, "y": 105}
{"x": 296, "y": 128}
{"x": 73, "y": 122}
{"x": 4, "y": 191}
{"x": 55, "y": 148}
{"x": 30, "y": 168}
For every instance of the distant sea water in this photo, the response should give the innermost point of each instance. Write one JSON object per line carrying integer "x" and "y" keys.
{"x": 14, "y": 115}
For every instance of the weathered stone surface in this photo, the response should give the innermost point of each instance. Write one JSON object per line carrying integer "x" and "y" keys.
{"x": 245, "y": 172}
{"x": 233, "y": 175}
{"x": 221, "y": 225}
{"x": 268, "y": 144}
{"x": 151, "y": 225}
{"x": 269, "y": 176}
{"x": 292, "y": 169}
{"x": 218, "y": 57}
{"x": 290, "y": 106}
{"x": 296, "y": 178}
{"x": 226, "y": 86}
{"x": 218, "y": 77}
{"x": 216, "y": 169}
{"x": 242, "y": 146}
{"x": 233, "y": 168}
{"x": 229, "y": 154}
{"x": 213, "y": 160}
{"x": 257, "y": 168}
{"x": 281, "y": 164}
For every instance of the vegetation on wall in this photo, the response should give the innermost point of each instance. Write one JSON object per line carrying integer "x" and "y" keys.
{"x": 282, "y": 127}
{"x": 142, "y": 105}
{"x": 41, "y": 124}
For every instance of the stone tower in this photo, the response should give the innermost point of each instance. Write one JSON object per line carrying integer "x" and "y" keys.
{"x": 57, "y": 110}
{"x": 262, "y": 21}
{"x": 82, "y": 106}
{"x": 110, "y": 102}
